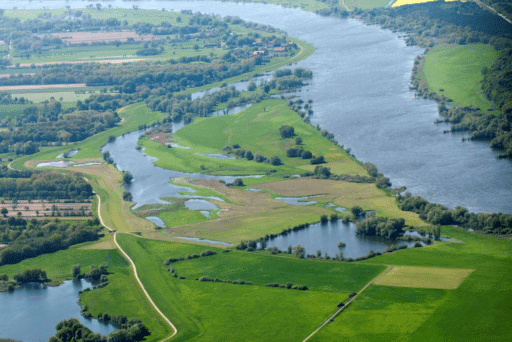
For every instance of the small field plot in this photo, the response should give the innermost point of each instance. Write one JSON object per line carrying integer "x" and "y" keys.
{"x": 424, "y": 277}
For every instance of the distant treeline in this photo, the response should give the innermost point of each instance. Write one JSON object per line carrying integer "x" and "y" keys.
{"x": 439, "y": 214}
{"x": 46, "y": 185}
{"x": 28, "y": 239}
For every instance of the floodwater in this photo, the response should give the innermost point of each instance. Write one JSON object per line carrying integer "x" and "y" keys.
{"x": 30, "y": 314}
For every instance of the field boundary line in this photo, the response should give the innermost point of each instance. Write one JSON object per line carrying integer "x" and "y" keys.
{"x": 136, "y": 274}
{"x": 337, "y": 312}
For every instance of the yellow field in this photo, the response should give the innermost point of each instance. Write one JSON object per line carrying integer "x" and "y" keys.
{"x": 424, "y": 277}
{"x": 411, "y": 2}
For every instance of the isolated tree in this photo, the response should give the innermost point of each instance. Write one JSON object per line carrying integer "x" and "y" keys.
{"x": 275, "y": 160}
{"x": 286, "y": 131}
{"x": 298, "y": 140}
{"x": 4, "y": 211}
{"x": 356, "y": 210}
{"x": 127, "y": 177}
{"x": 75, "y": 270}
{"x": 299, "y": 252}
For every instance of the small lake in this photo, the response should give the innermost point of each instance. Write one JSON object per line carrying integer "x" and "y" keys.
{"x": 296, "y": 200}
{"x": 34, "y": 306}
{"x": 325, "y": 237}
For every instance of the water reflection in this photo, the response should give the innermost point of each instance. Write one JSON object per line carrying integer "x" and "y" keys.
{"x": 29, "y": 314}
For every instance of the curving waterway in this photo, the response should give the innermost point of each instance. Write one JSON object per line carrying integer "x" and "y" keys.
{"x": 360, "y": 93}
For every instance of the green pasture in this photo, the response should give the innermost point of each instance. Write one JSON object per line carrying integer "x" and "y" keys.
{"x": 217, "y": 311}
{"x": 255, "y": 129}
{"x": 62, "y": 96}
{"x": 458, "y": 70}
{"x": 483, "y": 297}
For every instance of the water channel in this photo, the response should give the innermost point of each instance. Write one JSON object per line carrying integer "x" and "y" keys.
{"x": 21, "y": 313}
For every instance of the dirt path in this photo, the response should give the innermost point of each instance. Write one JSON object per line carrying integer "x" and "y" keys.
{"x": 347, "y": 303}
{"x": 343, "y": 3}
{"x": 136, "y": 274}
{"x": 494, "y": 11}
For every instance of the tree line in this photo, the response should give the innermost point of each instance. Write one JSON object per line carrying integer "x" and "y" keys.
{"x": 46, "y": 185}
{"x": 28, "y": 239}
{"x": 434, "y": 213}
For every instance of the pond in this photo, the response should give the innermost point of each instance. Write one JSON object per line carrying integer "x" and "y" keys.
{"x": 325, "y": 237}
{"x": 30, "y": 314}
{"x": 296, "y": 200}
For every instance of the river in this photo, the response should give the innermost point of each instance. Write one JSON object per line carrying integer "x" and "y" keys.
{"x": 360, "y": 92}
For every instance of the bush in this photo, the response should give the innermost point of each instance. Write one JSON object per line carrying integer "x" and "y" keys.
{"x": 207, "y": 253}
{"x": 259, "y": 158}
{"x": 286, "y": 131}
{"x": 307, "y": 155}
{"x": 238, "y": 182}
{"x": 318, "y": 160}
{"x": 324, "y": 219}
{"x": 274, "y": 160}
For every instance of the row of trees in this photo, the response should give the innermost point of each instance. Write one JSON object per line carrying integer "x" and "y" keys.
{"x": 46, "y": 185}
{"x": 438, "y": 214}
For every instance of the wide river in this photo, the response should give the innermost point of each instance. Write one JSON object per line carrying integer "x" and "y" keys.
{"x": 360, "y": 92}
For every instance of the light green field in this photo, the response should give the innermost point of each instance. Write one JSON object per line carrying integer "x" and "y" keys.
{"x": 62, "y": 96}
{"x": 424, "y": 277}
{"x": 409, "y": 314}
{"x": 364, "y": 4}
{"x": 457, "y": 70}
{"x": 255, "y": 129}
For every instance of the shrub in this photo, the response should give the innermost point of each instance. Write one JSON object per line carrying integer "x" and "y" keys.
{"x": 207, "y": 253}
{"x": 307, "y": 155}
{"x": 318, "y": 160}
{"x": 274, "y": 160}
{"x": 286, "y": 131}
{"x": 259, "y": 158}
{"x": 324, "y": 219}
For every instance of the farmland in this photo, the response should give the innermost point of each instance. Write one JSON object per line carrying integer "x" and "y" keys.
{"x": 41, "y": 208}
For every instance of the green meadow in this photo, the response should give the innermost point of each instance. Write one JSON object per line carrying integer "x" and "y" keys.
{"x": 475, "y": 311}
{"x": 255, "y": 129}
{"x": 215, "y": 311}
{"x": 458, "y": 71}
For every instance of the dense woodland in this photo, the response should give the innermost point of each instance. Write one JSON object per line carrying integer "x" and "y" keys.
{"x": 28, "y": 239}
{"x": 29, "y": 185}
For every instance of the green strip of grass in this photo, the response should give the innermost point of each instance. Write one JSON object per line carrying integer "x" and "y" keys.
{"x": 457, "y": 70}
{"x": 181, "y": 217}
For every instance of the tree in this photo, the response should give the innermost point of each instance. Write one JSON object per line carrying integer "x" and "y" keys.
{"x": 274, "y": 160}
{"x": 356, "y": 210}
{"x": 249, "y": 155}
{"x": 286, "y": 131}
{"x": 238, "y": 182}
{"x": 251, "y": 86}
{"x": 4, "y": 211}
{"x": 299, "y": 252}
{"x": 127, "y": 177}
{"x": 75, "y": 270}
{"x": 298, "y": 141}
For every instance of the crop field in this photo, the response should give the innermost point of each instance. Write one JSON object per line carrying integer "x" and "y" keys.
{"x": 102, "y": 37}
{"x": 424, "y": 277}
{"x": 11, "y": 111}
{"x": 43, "y": 208}
{"x": 365, "y": 4}
{"x": 42, "y": 86}
{"x": 62, "y": 96}
{"x": 457, "y": 70}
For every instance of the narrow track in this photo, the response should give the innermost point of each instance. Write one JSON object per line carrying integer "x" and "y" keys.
{"x": 346, "y": 304}
{"x": 135, "y": 272}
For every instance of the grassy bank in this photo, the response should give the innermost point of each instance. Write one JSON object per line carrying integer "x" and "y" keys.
{"x": 456, "y": 72}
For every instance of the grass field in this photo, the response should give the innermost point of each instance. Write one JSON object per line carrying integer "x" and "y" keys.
{"x": 424, "y": 277}
{"x": 483, "y": 297}
{"x": 365, "y": 4}
{"x": 457, "y": 70}
{"x": 217, "y": 311}
{"x": 12, "y": 110}
{"x": 255, "y": 129}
